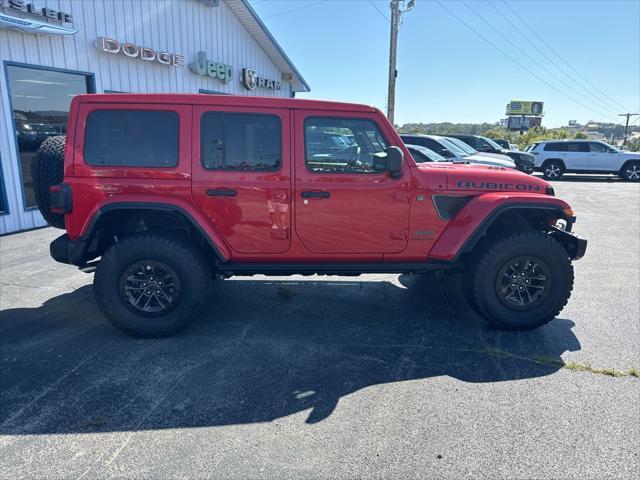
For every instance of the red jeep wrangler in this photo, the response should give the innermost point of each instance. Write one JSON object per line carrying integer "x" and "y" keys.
{"x": 172, "y": 191}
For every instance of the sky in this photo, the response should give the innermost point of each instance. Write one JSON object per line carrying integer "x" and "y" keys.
{"x": 581, "y": 58}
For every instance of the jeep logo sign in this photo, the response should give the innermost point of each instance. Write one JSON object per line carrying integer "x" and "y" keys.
{"x": 109, "y": 45}
{"x": 209, "y": 68}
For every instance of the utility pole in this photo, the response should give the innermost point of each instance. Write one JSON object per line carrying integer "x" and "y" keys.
{"x": 626, "y": 127}
{"x": 396, "y": 15}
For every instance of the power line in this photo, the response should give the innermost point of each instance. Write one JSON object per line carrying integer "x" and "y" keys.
{"x": 550, "y": 85}
{"x": 542, "y": 67}
{"x": 295, "y": 9}
{"x": 379, "y": 11}
{"x": 595, "y": 98}
{"x": 560, "y": 57}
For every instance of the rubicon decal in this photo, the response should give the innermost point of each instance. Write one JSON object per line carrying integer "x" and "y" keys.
{"x": 523, "y": 187}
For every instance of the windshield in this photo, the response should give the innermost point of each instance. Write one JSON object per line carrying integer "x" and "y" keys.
{"x": 463, "y": 146}
{"x": 492, "y": 143}
{"x": 457, "y": 151}
{"x": 425, "y": 154}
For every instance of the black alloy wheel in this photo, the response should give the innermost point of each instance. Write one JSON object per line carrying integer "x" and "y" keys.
{"x": 523, "y": 282}
{"x": 150, "y": 288}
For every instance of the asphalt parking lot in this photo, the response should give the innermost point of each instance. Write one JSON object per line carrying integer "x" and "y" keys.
{"x": 328, "y": 377}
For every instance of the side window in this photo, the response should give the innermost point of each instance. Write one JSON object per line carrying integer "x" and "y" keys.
{"x": 577, "y": 147}
{"x": 232, "y": 141}
{"x": 555, "y": 147}
{"x": 597, "y": 147}
{"x": 132, "y": 138}
{"x": 341, "y": 145}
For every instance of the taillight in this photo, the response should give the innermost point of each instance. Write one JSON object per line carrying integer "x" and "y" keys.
{"x": 60, "y": 198}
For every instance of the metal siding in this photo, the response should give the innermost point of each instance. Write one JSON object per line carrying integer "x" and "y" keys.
{"x": 177, "y": 26}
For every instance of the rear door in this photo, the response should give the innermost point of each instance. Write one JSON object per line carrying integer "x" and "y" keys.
{"x": 578, "y": 156}
{"x": 344, "y": 206}
{"x": 241, "y": 175}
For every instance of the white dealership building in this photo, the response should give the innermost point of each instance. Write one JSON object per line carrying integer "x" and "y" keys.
{"x": 52, "y": 50}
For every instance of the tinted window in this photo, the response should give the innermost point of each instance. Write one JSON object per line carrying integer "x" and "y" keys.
{"x": 600, "y": 147}
{"x": 341, "y": 145}
{"x": 577, "y": 147}
{"x": 429, "y": 143}
{"x": 555, "y": 147}
{"x": 231, "y": 141}
{"x": 131, "y": 138}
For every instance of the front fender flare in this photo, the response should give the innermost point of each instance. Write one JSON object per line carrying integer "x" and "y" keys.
{"x": 473, "y": 220}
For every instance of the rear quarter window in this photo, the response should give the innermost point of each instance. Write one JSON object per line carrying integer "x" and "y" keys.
{"x": 132, "y": 138}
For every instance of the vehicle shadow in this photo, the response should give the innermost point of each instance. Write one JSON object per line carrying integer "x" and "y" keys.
{"x": 263, "y": 349}
{"x": 587, "y": 178}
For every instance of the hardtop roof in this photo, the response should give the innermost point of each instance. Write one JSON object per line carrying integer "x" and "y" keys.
{"x": 223, "y": 100}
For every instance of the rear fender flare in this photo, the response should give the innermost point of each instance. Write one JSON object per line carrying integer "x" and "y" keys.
{"x": 192, "y": 216}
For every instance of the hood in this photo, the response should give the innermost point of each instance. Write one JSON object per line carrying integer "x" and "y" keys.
{"x": 491, "y": 161}
{"x": 633, "y": 155}
{"x": 499, "y": 156}
{"x": 480, "y": 179}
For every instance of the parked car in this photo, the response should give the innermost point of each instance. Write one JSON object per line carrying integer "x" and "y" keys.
{"x": 503, "y": 160}
{"x": 524, "y": 161}
{"x": 423, "y": 154}
{"x": 506, "y": 144}
{"x": 554, "y": 158}
{"x": 451, "y": 151}
{"x": 162, "y": 194}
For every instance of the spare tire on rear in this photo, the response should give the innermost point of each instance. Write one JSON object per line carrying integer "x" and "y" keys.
{"x": 47, "y": 169}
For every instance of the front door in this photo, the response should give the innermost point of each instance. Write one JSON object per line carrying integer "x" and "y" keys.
{"x": 241, "y": 176}
{"x": 602, "y": 157}
{"x": 343, "y": 205}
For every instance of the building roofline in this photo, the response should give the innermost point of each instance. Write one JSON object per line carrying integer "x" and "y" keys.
{"x": 256, "y": 27}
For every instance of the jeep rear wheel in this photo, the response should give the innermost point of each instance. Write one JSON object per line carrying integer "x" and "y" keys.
{"x": 152, "y": 286}
{"x": 522, "y": 282}
{"x": 47, "y": 169}
{"x": 553, "y": 170}
{"x": 631, "y": 172}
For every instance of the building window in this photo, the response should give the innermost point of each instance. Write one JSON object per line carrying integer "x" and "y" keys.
{"x": 210, "y": 92}
{"x": 132, "y": 138}
{"x": 40, "y": 99}
{"x": 231, "y": 141}
{"x": 3, "y": 195}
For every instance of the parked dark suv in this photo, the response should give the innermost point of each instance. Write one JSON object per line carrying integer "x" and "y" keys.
{"x": 524, "y": 161}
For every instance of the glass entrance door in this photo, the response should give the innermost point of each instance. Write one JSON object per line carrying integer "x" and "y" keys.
{"x": 40, "y": 99}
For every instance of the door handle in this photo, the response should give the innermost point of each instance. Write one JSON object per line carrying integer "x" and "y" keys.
{"x": 309, "y": 194}
{"x": 222, "y": 192}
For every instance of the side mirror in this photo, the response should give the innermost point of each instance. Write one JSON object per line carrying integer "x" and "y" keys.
{"x": 390, "y": 160}
{"x": 395, "y": 159}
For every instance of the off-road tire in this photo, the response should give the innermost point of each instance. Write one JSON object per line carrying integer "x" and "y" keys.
{"x": 484, "y": 289}
{"x": 631, "y": 171}
{"x": 47, "y": 169}
{"x": 553, "y": 170}
{"x": 184, "y": 259}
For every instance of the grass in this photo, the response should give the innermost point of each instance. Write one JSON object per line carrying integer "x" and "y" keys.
{"x": 575, "y": 366}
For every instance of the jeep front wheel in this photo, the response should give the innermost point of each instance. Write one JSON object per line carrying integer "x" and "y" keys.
{"x": 152, "y": 286}
{"x": 522, "y": 281}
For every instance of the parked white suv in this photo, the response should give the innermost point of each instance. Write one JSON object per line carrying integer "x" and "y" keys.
{"x": 557, "y": 157}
